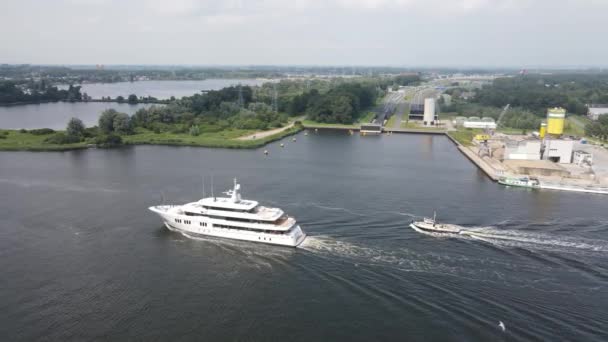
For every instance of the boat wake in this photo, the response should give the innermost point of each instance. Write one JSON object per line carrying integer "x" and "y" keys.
{"x": 514, "y": 238}
{"x": 538, "y": 240}
{"x": 402, "y": 258}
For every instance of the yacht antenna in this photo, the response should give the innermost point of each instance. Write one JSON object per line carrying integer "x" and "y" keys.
{"x": 162, "y": 198}
{"x": 204, "y": 187}
{"x": 212, "y": 194}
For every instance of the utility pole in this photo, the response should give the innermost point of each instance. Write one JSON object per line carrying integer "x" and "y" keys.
{"x": 275, "y": 104}
{"x": 241, "y": 102}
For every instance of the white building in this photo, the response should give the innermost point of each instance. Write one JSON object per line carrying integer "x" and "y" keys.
{"x": 595, "y": 111}
{"x": 558, "y": 150}
{"x": 475, "y": 122}
{"x": 429, "y": 112}
{"x": 522, "y": 150}
{"x": 581, "y": 157}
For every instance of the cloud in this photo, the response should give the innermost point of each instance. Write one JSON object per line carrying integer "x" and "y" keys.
{"x": 403, "y": 32}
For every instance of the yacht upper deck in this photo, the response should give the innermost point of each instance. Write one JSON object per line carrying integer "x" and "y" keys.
{"x": 220, "y": 203}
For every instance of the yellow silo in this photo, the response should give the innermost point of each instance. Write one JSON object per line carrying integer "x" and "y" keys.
{"x": 555, "y": 120}
{"x": 543, "y": 130}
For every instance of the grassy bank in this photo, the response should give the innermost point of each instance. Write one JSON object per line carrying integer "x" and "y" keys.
{"x": 19, "y": 141}
{"x": 222, "y": 139}
{"x": 364, "y": 118}
{"x": 464, "y": 136}
{"x": 314, "y": 124}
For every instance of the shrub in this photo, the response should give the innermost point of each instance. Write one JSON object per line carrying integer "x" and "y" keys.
{"x": 108, "y": 141}
{"x": 75, "y": 127}
{"x": 41, "y": 131}
{"x": 90, "y": 132}
{"x": 2, "y": 136}
{"x": 195, "y": 131}
{"x": 61, "y": 139}
{"x": 23, "y": 130}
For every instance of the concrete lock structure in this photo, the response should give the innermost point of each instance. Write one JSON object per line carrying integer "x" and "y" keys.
{"x": 555, "y": 121}
{"x": 429, "y": 112}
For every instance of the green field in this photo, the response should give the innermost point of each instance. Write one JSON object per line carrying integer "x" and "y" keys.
{"x": 17, "y": 141}
{"x": 465, "y": 136}
{"x": 575, "y": 125}
{"x": 313, "y": 124}
{"x": 363, "y": 118}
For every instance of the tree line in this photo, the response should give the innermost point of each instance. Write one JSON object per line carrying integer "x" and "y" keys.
{"x": 539, "y": 92}
{"x": 341, "y": 104}
{"x": 598, "y": 129}
{"x": 37, "y": 92}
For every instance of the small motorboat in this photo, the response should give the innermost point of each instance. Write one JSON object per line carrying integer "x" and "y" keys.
{"x": 430, "y": 225}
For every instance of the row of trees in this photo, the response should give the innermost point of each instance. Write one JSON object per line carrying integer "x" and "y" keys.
{"x": 539, "y": 92}
{"x": 10, "y": 92}
{"x": 341, "y": 104}
{"x": 514, "y": 118}
{"x": 599, "y": 128}
{"x": 105, "y": 135}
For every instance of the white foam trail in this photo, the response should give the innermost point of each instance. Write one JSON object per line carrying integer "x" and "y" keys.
{"x": 336, "y": 209}
{"x": 402, "y": 259}
{"x": 64, "y": 187}
{"x": 540, "y": 240}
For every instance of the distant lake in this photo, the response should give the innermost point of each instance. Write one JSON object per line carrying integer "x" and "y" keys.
{"x": 56, "y": 115}
{"x": 161, "y": 89}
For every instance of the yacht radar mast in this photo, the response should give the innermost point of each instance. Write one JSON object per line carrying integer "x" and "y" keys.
{"x": 235, "y": 195}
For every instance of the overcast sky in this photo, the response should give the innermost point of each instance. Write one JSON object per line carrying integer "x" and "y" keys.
{"x": 518, "y": 33}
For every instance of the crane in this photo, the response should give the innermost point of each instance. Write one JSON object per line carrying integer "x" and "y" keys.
{"x": 504, "y": 111}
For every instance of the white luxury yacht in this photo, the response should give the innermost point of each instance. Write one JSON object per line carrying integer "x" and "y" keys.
{"x": 233, "y": 218}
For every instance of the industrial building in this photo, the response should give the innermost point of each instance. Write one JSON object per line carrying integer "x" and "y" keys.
{"x": 549, "y": 147}
{"x": 371, "y": 128}
{"x": 558, "y": 150}
{"x": 430, "y": 114}
{"x": 581, "y": 158}
{"x": 556, "y": 118}
{"x": 417, "y": 112}
{"x": 475, "y": 122}
{"x": 595, "y": 111}
{"x": 522, "y": 150}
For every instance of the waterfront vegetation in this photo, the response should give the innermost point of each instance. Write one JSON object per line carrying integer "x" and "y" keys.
{"x": 598, "y": 129}
{"x": 530, "y": 96}
{"x": 536, "y": 93}
{"x": 218, "y": 118}
{"x": 465, "y": 135}
{"x": 102, "y": 74}
{"x": 36, "y": 92}
{"x": 21, "y": 140}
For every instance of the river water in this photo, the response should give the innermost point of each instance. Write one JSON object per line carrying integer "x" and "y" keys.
{"x": 82, "y": 257}
{"x": 56, "y": 115}
{"x": 161, "y": 89}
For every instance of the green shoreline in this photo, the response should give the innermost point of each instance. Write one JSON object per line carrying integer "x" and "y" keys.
{"x": 35, "y": 143}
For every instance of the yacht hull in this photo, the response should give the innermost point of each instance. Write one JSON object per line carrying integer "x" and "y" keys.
{"x": 293, "y": 239}
{"x": 438, "y": 228}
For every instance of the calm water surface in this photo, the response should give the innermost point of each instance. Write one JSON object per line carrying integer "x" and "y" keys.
{"x": 161, "y": 89}
{"x": 56, "y": 115}
{"x": 82, "y": 258}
